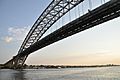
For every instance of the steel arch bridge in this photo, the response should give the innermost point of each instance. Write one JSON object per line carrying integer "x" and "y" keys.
{"x": 55, "y": 10}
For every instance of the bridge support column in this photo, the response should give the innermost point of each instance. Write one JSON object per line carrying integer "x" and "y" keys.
{"x": 16, "y": 63}
{"x": 20, "y": 62}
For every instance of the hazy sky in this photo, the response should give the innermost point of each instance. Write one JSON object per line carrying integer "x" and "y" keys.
{"x": 98, "y": 45}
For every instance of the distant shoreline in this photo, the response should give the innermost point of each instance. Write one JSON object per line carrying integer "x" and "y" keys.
{"x": 64, "y": 66}
{"x": 60, "y": 66}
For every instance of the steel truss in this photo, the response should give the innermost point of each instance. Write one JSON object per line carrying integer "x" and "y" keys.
{"x": 50, "y": 15}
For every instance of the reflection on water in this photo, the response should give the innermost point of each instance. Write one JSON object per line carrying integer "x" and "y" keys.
{"x": 103, "y": 73}
{"x": 19, "y": 75}
{"x": 6, "y": 74}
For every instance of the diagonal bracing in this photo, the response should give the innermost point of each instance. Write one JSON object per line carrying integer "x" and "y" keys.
{"x": 55, "y": 10}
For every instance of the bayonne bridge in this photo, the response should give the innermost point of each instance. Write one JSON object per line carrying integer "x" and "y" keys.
{"x": 34, "y": 40}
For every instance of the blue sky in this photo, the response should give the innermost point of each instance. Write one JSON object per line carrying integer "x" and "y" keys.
{"x": 99, "y": 45}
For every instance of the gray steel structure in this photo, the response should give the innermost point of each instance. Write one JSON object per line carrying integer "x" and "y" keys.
{"x": 103, "y": 13}
{"x": 55, "y": 10}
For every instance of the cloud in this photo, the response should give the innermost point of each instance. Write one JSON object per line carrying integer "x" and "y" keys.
{"x": 16, "y": 34}
{"x": 8, "y": 39}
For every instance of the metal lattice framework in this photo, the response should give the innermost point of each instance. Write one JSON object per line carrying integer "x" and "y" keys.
{"x": 55, "y": 10}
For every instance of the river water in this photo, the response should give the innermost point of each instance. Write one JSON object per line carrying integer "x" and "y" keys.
{"x": 100, "y": 73}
